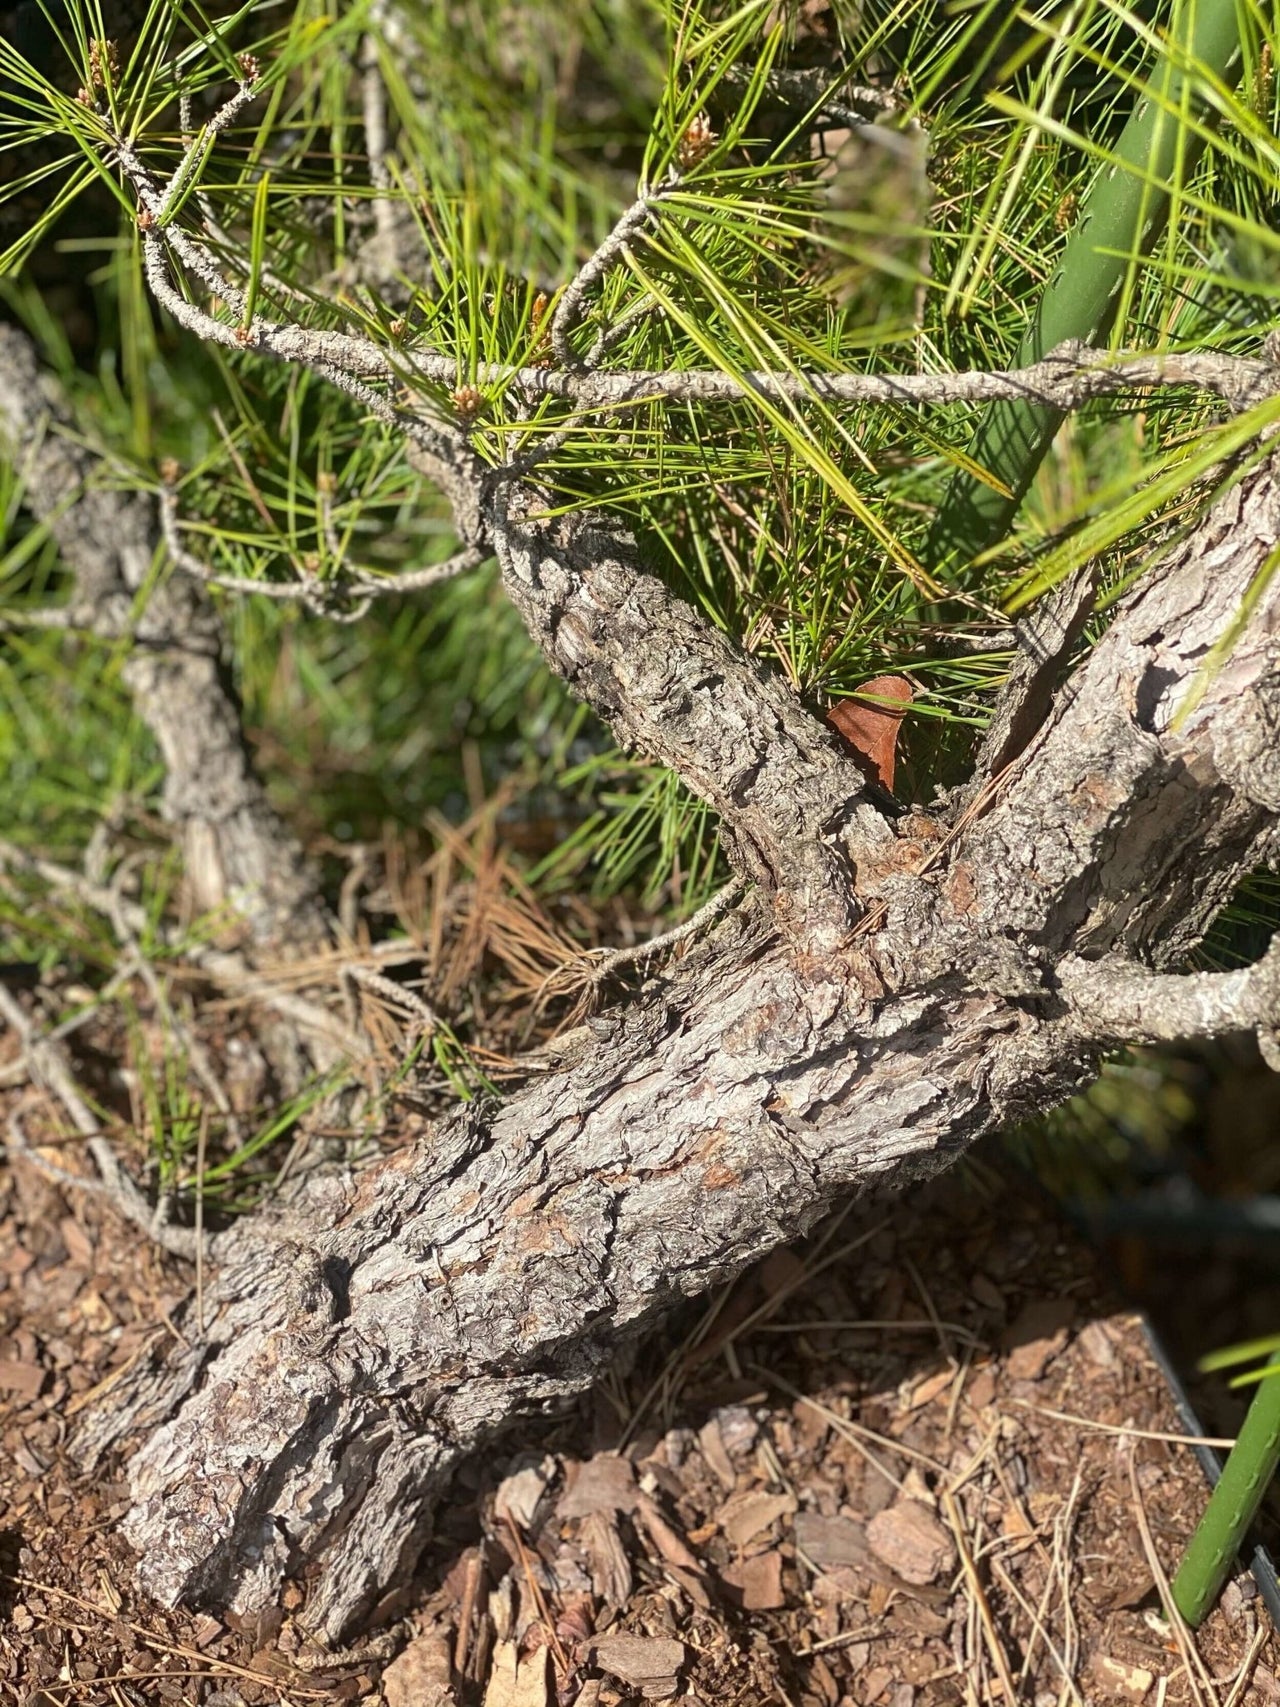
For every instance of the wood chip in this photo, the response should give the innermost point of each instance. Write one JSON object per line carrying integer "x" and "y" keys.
{"x": 517, "y": 1497}
{"x": 692, "y": 1583}
{"x": 204, "y": 1631}
{"x": 747, "y": 1515}
{"x": 21, "y": 1378}
{"x": 1120, "y": 1678}
{"x": 664, "y": 1537}
{"x": 758, "y": 1582}
{"x": 713, "y": 1450}
{"x": 910, "y": 1540}
{"x": 831, "y": 1540}
{"x": 981, "y": 1391}
{"x": 607, "y": 1559}
{"x": 515, "y": 1680}
{"x": 604, "y": 1483}
{"x": 79, "y": 1244}
{"x": 875, "y": 1683}
{"x": 650, "y": 1664}
{"x": 930, "y": 1388}
{"x": 419, "y": 1675}
{"x": 1096, "y": 1344}
{"x": 1038, "y": 1334}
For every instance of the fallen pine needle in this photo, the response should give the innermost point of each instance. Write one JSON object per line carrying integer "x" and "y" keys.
{"x": 1124, "y": 1428}
{"x": 994, "y": 1645}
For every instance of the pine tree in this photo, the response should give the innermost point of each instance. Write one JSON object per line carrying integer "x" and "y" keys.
{"x": 623, "y": 388}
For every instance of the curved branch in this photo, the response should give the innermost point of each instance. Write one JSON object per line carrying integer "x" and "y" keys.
{"x": 795, "y": 808}
{"x": 1066, "y": 379}
{"x": 1069, "y": 377}
{"x": 237, "y": 847}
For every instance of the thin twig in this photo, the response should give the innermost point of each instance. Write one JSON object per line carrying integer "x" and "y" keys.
{"x": 606, "y": 962}
{"x": 1250, "y": 1660}
{"x": 389, "y": 990}
{"x": 1124, "y": 1429}
{"x": 1067, "y": 378}
{"x": 570, "y": 307}
{"x": 843, "y": 103}
{"x": 198, "y": 146}
{"x": 1036, "y": 1620}
{"x": 415, "y": 580}
{"x": 343, "y": 360}
{"x": 323, "y": 598}
{"x": 44, "y": 616}
{"x": 49, "y": 1068}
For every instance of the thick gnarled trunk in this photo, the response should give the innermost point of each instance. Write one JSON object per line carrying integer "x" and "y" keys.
{"x": 359, "y": 1345}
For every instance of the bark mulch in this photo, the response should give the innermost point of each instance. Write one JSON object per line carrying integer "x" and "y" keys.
{"x": 917, "y": 1460}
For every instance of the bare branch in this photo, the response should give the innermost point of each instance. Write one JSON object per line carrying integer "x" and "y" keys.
{"x": 350, "y": 585}
{"x": 1116, "y": 1000}
{"x": 1069, "y": 377}
{"x": 428, "y": 1020}
{"x": 570, "y": 307}
{"x": 849, "y": 104}
{"x": 342, "y": 359}
{"x": 199, "y": 145}
{"x": 605, "y": 962}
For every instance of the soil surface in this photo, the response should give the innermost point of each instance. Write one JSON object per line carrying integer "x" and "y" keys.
{"x": 916, "y": 1460}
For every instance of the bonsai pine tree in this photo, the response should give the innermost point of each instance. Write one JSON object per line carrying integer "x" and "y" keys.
{"x": 607, "y": 394}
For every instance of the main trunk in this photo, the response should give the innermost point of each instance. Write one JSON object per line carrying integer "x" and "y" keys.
{"x": 359, "y": 1344}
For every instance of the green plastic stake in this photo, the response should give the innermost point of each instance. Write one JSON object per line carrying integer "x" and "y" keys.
{"x": 1232, "y": 1506}
{"x": 1121, "y": 216}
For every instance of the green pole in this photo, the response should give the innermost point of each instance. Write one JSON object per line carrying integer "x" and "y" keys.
{"x": 1122, "y": 215}
{"x": 1232, "y": 1506}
